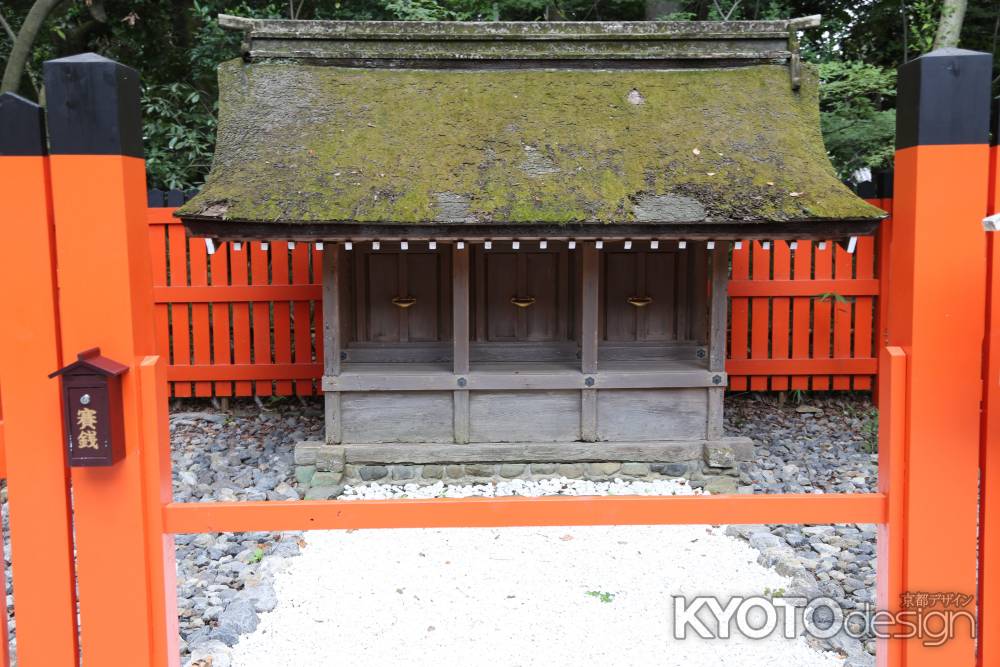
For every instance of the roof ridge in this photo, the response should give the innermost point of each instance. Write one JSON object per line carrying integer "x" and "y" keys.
{"x": 334, "y": 42}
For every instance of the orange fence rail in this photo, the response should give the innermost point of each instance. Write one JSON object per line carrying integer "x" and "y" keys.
{"x": 802, "y": 316}
{"x": 239, "y": 322}
{"x": 242, "y": 322}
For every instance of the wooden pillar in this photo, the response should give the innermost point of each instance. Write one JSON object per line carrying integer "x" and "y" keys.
{"x": 127, "y": 600}
{"x": 718, "y": 307}
{"x": 936, "y": 315}
{"x": 37, "y": 476}
{"x": 589, "y": 304}
{"x": 700, "y": 283}
{"x": 331, "y": 339}
{"x": 460, "y": 338}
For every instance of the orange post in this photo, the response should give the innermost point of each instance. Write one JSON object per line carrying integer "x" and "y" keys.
{"x": 37, "y": 476}
{"x": 891, "y": 482}
{"x": 106, "y": 301}
{"x": 989, "y": 456}
{"x": 937, "y": 278}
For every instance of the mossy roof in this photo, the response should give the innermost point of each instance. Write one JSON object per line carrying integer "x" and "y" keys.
{"x": 305, "y": 143}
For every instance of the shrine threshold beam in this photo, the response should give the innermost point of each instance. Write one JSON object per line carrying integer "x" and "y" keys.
{"x": 522, "y": 511}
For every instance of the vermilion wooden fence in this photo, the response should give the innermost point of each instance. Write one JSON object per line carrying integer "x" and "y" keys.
{"x": 243, "y": 321}
{"x": 239, "y": 322}
{"x": 802, "y": 316}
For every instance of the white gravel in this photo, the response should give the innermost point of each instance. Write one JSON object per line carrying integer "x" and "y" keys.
{"x": 559, "y": 486}
{"x": 511, "y": 596}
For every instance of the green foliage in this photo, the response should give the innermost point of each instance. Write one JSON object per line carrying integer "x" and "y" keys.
{"x": 178, "y": 132}
{"x": 832, "y": 297}
{"x": 603, "y": 596}
{"x": 869, "y": 429}
{"x": 177, "y": 45}
{"x": 869, "y": 426}
{"x": 921, "y": 23}
{"x": 433, "y": 10}
{"x": 179, "y": 118}
{"x": 858, "y": 121}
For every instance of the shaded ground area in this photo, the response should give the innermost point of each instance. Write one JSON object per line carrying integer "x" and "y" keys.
{"x": 244, "y": 453}
{"x": 825, "y": 443}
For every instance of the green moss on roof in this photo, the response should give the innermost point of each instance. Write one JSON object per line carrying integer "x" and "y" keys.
{"x": 302, "y": 143}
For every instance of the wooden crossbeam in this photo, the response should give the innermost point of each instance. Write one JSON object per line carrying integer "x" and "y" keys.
{"x": 520, "y": 511}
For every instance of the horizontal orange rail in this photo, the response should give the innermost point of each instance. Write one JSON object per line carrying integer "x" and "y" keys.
{"x": 520, "y": 511}
{"x": 161, "y": 216}
{"x": 242, "y": 293}
{"x": 228, "y": 372}
{"x": 313, "y": 371}
{"x": 813, "y": 288}
{"x": 802, "y": 366}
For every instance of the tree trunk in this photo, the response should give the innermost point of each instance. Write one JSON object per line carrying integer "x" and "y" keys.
{"x": 950, "y": 25}
{"x": 21, "y": 48}
{"x": 554, "y": 13}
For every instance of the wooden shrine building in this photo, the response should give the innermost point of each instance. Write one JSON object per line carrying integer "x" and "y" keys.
{"x": 526, "y": 226}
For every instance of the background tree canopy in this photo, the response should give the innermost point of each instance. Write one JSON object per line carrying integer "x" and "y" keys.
{"x": 177, "y": 45}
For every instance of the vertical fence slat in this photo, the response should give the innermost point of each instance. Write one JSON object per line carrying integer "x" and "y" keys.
{"x": 161, "y": 311}
{"x": 239, "y": 276}
{"x": 864, "y": 310}
{"x": 822, "y": 314}
{"x": 261, "y": 315}
{"x": 200, "y": 336}
{"x": 760, "y": 320}
{"x": 801, "y": 311}
{"x": 739, "y": 318}
{"x": 221, "y": 329}
{"x": 883, "y": 241}
{"x": 780, "y": 307}
{"x": 282, "y": 315}
{"x": 300, "y": 316}
{"x": 843, "y": 309}
{"x": 180, "y": 321}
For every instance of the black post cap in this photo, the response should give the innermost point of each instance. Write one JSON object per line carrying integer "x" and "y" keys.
{"x": 22, "y": 126}
{"x": 943, "y": 97}
{"x": 93, "y": 106}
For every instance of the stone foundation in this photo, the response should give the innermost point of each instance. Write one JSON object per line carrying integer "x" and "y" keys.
{"x": 324, "y": 469}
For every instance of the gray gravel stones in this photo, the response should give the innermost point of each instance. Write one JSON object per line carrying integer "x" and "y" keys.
{"x": 246, "y": 453}
{"x": 826, "y": 447}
